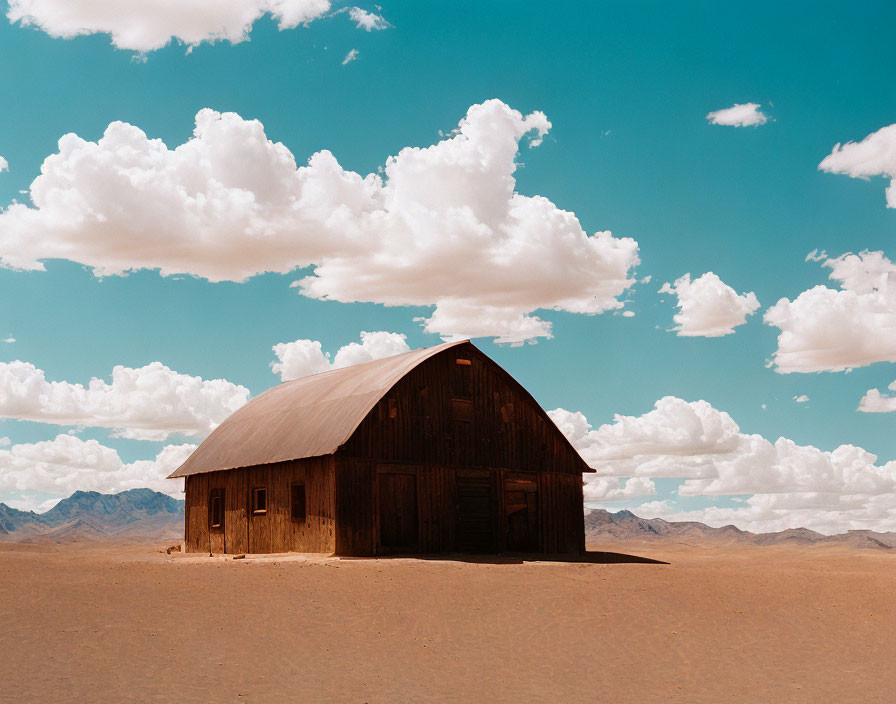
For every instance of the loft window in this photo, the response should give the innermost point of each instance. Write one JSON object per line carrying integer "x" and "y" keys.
{"x": 216, "y": 509}
{"x": 393, "y": 408}
{"x": 297, "y": 501}
{"x": 463, "y": 377}
{"x": 462, "y": 409}
{"x": 259, "y": 500}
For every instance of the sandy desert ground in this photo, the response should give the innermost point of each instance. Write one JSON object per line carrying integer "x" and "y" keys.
{"x": 127, "y": 623}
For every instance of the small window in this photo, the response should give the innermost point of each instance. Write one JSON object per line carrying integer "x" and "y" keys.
{"x": 393, "y": 408}
{"x": 259, "y": 500}
{"x": 462, "y": 410}
{"x": 297, "y": 501}
{"x": 464, "y": 362}
{"x": 216, "y": 509}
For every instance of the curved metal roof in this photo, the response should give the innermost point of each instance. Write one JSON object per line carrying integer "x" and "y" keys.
{"x": 306, "y": 417}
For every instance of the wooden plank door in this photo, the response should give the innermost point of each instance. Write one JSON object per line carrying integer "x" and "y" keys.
{"x": 521, "y": 514}
{"x": 398, "y": 519}
{"x": 216, "y": 501}
{"x": 475, "y": 512}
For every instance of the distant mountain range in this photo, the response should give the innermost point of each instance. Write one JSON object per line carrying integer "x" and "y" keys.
{"x": 604, "y": 526}
{"x": 138, "y": 513}
{"x": 147, "y": 514}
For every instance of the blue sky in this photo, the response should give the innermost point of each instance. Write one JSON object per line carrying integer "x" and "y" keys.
{"x": 626, "y": 87}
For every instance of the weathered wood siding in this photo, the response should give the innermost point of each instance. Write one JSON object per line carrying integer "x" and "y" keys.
{"x": 355, "y": 533}
{"x": 273, "y": 531}
{"x": 421, "y": 421}
{"x": 559, "y": 516}
{"x": 446, "y": 418}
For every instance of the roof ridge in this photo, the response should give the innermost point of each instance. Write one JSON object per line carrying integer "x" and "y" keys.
{"x": 284, "y": 423}
{"x": 446, "y": 345}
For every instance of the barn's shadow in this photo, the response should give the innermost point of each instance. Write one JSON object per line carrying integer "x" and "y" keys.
{"x": 589, "y": 557}
{"x": 608, "y": 558}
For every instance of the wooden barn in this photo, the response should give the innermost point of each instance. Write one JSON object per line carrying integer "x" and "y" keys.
{"x": 436, "y": 450}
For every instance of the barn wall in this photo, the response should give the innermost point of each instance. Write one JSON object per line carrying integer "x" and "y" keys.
{"x": 558, "y": 525}
{"x": 274, "y": 531}
{"x": 444, "y": 418}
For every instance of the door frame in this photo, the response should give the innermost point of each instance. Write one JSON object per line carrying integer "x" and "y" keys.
{"x": 496, "y": 507}
{"x": 528, "y": 478}
{"x": 394, "y": 469}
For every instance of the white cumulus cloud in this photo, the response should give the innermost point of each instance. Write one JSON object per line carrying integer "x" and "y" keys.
{"x": 303, "y": 357}
{"x": 147, "y": 403}
{"x": 788, "y": 485}
{"x": 676, "y": 439}
{"x": 873, "y": 156}
{"x": 350, "y": 56}
{"x": 443, "y": 225}
{"x": 802, "y": 398}
{"x": 827, "y": 329}
{"x": 765, "y": 513}
{"x": 67, "y": 463}
{"x": 453, "y": 320}
{"x": 739, "y": 115}
{"x": 145, "y": 25}
{"x": 614, "y": 489}
{"x": 708, "y": 307}
{"x": 27, "y": 502}
{"x": 4, "y": 165}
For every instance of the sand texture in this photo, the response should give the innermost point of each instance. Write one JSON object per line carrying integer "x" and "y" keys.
{"x": 102, "y": 623}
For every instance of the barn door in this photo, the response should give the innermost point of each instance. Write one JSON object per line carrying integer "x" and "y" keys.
{"x": 397, "y": 504}
{"x": 521, "y": 514}
{"x": 475, "y": 512}
{"x": 216, "y": 497}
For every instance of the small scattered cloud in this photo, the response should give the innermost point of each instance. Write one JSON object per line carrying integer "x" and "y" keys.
{"x": 876, "y": 402}
{"x": 9, "y": 339}
{"x": 801, "y": 398}
{"x": 350, "y": 56}
{"x": 367, "y": 20}
{"x": 708, "y": 307}
{"x": 873, "y": 156}
{"x": 739, "y": 115}
{"x": 303, "y": 357}
{"x": 4, "y": 165}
